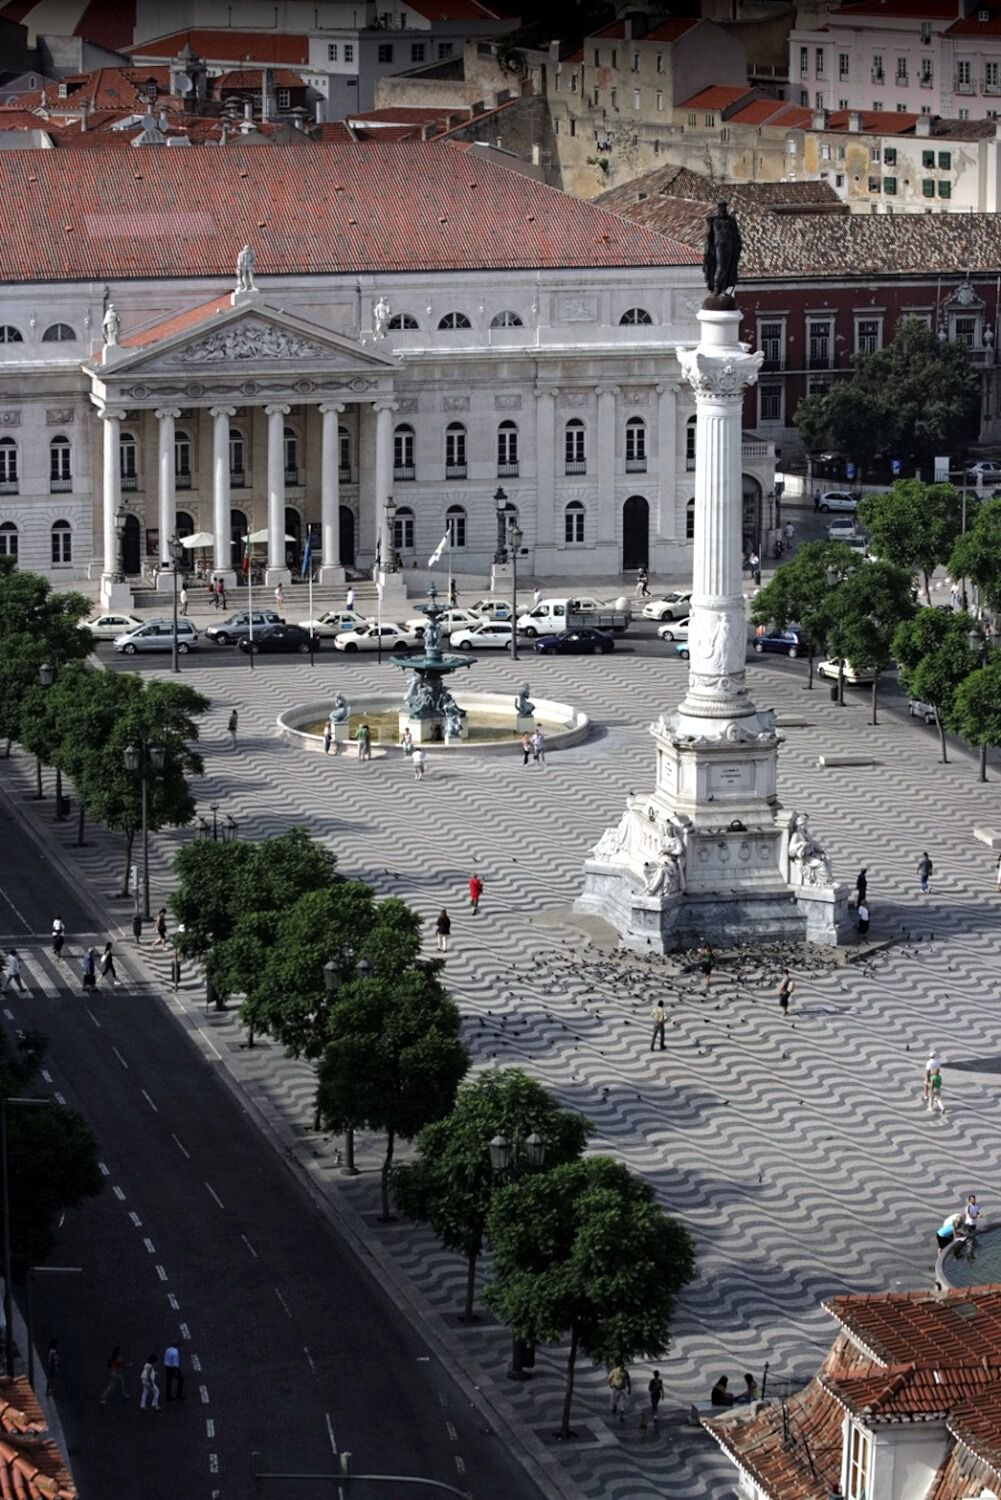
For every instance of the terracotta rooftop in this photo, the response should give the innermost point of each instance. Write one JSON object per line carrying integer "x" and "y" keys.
{"x": 111, "y": 26}
{"x": 719, "y": 96}
{"x": 31, "y": 1465}
{"x": 242, "y": 78}
{"x": 166, "y": 329}
{"x": 972, "y": 25}
{"x": 910, "y": 10}
{"x": 226, "y": 46}
{"x": 905, "y": 1392}
{"x": 978, "y": 1426}
{"x": 897, "y": 1327}
{"x": 309, "y": 208}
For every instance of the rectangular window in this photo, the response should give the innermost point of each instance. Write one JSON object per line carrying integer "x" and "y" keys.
{"x": 927, "y": 158}
{"x": 62, "y": 545}
{"x": 945, "y": 189}
{"x": 455, "y": 453}
{"x": 331, "y": 52}
{"x": 660, "y": 62}
{"x": 825, "y": 151}
{"x": 349, "y": 52}
{"x": 859, "y": 1461}
{"x": 660, "y": 102}
{"x": 574, "y": 449}
{"x": 927, "y": 187}
{"x": 842, "y": 103}
{"x": 945, "y": 160}
{"x": 927, "y": 72}
{"x": 597, "y": 58}
{"x": 820, "y": 62}
{"x": 636, "y": 98}
{"x": 385, "y": 52}
{"x": 403, "y": 454}
{"x": 874, "y": 184}
{"x": 445, "y": 50}
{"x": 573, "y": 83}
{"x": 690, "y": 444}
{"x": 992, "y": 75}
{"x": 573, "y": 524}
{"x": 890, "y": 186}
{"x": 636, "y": 62}
{"x": 771, "y": 337}
{"x": 804, "y": 62}
{"x": 874, "y": 154}
{"x": 890, "y": 156}
{"x": 964, "y": 75}
{"x": 769, "y": 403}
{"x": 866, "y": 335}
{"x": 613, "y": 96}
{"x": 839, "y": 179}
{"x": 573, "y": 126}
{"x": 636, "y": 445}
{"x": 284, "y": 99}
{"x": 507, "y": 452}
{"x": 818, "y": 100}
{"x": 842, "y": 65}
{"x": 902, "y": 70}
{"x": 965, "y": 332}
{"x": 615, "y": 57}
{"x": 417, "y": 52}
{"x": 820, "y": 345}
{"x": 877, "y": 67}
{"x": 963, "y": 114}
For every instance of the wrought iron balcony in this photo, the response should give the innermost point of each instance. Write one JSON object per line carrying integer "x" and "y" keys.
{"x": 60, "y": 486}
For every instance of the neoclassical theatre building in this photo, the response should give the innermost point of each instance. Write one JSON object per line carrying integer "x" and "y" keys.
{"x": 252, "y": 340}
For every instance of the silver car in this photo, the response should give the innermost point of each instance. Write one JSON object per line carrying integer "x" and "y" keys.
{"x": 158, "y": 635}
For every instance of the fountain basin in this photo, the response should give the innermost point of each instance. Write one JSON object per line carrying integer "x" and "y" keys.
{"x": 490, "y": 722}
{"x": 971, "y": 1262}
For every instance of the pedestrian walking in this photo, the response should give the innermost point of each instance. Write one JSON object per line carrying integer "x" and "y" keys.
{"x": 816, "y": 500}
{"x": 475, "y": 892}
{"x": 954, "y": 597}
{"x": 407, "y": 741}
{"x": 539, "y": 747}
{"x": 12, "y": 971}
{"x": 536, "y": 597}
{"x": 213, "y": 596}
{"x": 161, "y": 928}
{"x": 363, "y": 739}
{"x": 137, "y": 927}
{"x": 279, "y": 597}
{"x": 173, "y": 1376}
{"x": 420, "y": 760}
{"x": 642, "y": 583}
{"x": 90, "y": 968}
{"x": 108, "y": 965}
{"x": 526, "y": 750}
{"x": 861, "y": 885}
{"x": 116, "y": 1376}
{"x": 931, "y": 1066}
{"x": 148, "y": 1385}
{"x": 862, "y": 913}
{"x": 184, "y": 600}
{"x": 328, "y": 735}
{"x": 785, "y": 990}
{"x": 656, "y": 1391}
{"x": 754, "y": 563}
{"x": 659, "y": 1018}
{"x": 924, "y": 871}
{"x": 935, "y": 1105}
{"x": 443, "y": 926}
{"x": 621, "y": 1388}
{"x": 349, "y": 602}
{"x": 790, "y": 533}
{"x": 232, "y": 724}
{"x": 58, "y": 936}
{"x": 52, "y": 1367}
{"x": 222, "y": 594}
{"x": 950, "y": 1229}
{"x": 453, "y": 594}
{"x": 707, "y": 962}
{"x": 971, "y": 1215}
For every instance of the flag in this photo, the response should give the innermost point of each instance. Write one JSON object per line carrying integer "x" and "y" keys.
{"x": 307, "y": 552}
{"x": 245, "y": 565}
{"x": 439, "y": 551}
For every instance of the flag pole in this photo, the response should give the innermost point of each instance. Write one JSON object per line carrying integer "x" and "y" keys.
{"x": 309, "y": 566}
{"x": 250, "y": 600}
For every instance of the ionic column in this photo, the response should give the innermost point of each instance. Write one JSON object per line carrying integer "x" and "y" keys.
{"x": 114, "y": 592}
{"x": 221, "y": 525}
{"x": 383, "y": 478}
{"x": 606, "y": 463}
{"x": 167, "y": 416}
{"x": 545, "y": 449}
{"x": 666, "y": 525}
{"x": 277, "y": 572}
{"x": 331, "y": 570}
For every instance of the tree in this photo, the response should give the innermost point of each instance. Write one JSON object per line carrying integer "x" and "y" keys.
{"x": 934, "y": 654}
{"x": 585, "y": 1250}
{"x": 451, "y": 1183}
{"x": 917, "y": 397}
{"x": 36, "y": 625}
{"x": 394, "y": 1060}
{"x": 799, "y": 594}
{"x": 976, "y": 707}
{"x": 977, "y": 554}
{"x": 867, "y": 607}
{"x": 914, "y": 525}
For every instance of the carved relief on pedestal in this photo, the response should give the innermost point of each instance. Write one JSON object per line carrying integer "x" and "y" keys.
{"x": 717, "y": 642}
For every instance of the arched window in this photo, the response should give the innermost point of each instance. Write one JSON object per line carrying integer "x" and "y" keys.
{"x": 573, "y": 524}
{"x": 690, "y": 520}
{"x": 574, "y": 439}
{"x": 290, "y": 440}
{"x": 184, "y": 524}
{"x": 455, "y": 451}
{"x": 237, "y": 471}
{"x": 403, "y": 529}
{"x": 507, "y": 450}
{"x": 455, "y": 525}
{"x": 403, "y": 453}
{"x": 636, "y": 446}
{"x": 8, "y": 466}
{"x": 690, "y": 426}
{"x": 10, "y": 335}
{"x": 128, "y": 460}
{"x": 635, "y": 315}
{"x": 401, "y": 320}
{"x": 344, "y": 454}
{"x": 454, "y": 320}
{"x": 506, "y": 320}
{"x": 60, "y": 465}
{"x": 182, "y": 460}
{"x": 59, "y": 333}
{"x": 8, "y": 540}
{"x": 62, "y": 542}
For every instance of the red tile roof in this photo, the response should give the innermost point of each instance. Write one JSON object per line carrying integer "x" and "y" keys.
{"x": 31, "y": 1465}
{"x": 670, "y": 31}
{"x": 718, "y": 96}
{"x": 972, "y": 25}
{"x": 401, "y": 114}
{"x": 111, "y": 26}
{"x": 978, "y": 1426}
{"x": 226, "y": 46}
{"x": 242, "y": 78}
{"x": 904, "y": 1391}
{"x": 911, "y": 1327}
{"x": 157, "y": 332}
{"x": 757, "y": 112}
{"x": 309, "y": 208}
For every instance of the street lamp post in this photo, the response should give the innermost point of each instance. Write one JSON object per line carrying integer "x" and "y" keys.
{"x": 176, "y": 557}
{"x": 8, "y": 1301}
{"x": 121, "y": 516}
{"x": 833, "y": 576}
{"x": 508, "y": 1166}
{"x": 34, "y": 1271}
{"x": 143, "y": 758}
{"x": 978, "y": 645}
{"x": 47, "y": 676}
{"x": 509, "y": 538}
{"x": 331, "y": 984}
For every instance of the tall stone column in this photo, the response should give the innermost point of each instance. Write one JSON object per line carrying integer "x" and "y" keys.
{"x": 115, "y": 593}
{"x": 666, "y": 525}
{"x": 606, "y": 465}
{"x": 221, "y": 525}
{"x": 545, "y": 450}
{"x": 331, "y": 570}
{"x": 277, "y": 572}
{"x": 166, "y": 416}
{"x": 383, "y": 478}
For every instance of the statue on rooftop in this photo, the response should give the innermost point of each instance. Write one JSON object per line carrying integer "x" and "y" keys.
{"x": 245, "y": 263}
{"x": 722, "y": 251}
{"x": 111, "y": 327}
{"x": 380, "y": 317}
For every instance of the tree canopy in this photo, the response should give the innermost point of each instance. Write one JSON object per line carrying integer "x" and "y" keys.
{"x": 36, "y": 625}
{"x": 976, "y": 706}
{"x": 798, "y": 593}
{"x": 977, "y": 554}
{"x": 866, "y": 611}
{"x": 934, "y": 655}
{"x": 914, "y": 525}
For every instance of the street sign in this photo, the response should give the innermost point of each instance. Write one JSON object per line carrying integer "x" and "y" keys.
{"x": 896, "y": 465}
{"x": 849, "y": 471}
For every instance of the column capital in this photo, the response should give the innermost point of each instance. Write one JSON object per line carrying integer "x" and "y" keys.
{"x": 277, "y": 409}
{"x": 221, "y": 411}
{"x": 337, "y": 407}
{"x": 721, "y": 375}
{"x": 606, "y": 390}
{"x": 385, "y": 403}
{"x": 112, "y": 413}
{"x": 167, "y": 411}
{"x": 546, "y": 390}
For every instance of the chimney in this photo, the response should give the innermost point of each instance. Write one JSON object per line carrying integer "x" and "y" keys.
{"x": 248, "y": 111}
{"x": 922, "y": 125}
{"x": 554, "y": 54}
{"x": 321, "y": 109}
{"x": 854, "y": 121}
{"x": 820, "y": 119}
{"x": 536, "y": 155}
{"x": 265, "y": 101}
{"x": 84, "y": 110}
{"x": 224, "y": 134}
{"x": 163, "y": 121}
{"x": 627, "y": 29}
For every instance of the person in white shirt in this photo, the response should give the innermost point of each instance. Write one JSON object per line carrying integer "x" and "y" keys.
{"x": 419, "y": 761}
{"x": 12, "y": 971}
{"x": 58, "y": 936}
{"x": 349, "y": 602}
{"x": 933, "y": 1064}
{"x": 150, "y": 1389}
{"x": 971, "y": 1214}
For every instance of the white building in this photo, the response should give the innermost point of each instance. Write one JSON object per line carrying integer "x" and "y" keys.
{"x": 422, "y": 325}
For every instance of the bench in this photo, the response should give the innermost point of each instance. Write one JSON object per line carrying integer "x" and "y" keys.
{"x": 989, "y": 836}
{"x": 830, "y": 761}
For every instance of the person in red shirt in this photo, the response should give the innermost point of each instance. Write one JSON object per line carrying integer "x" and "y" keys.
{"x": 475, "y": 892}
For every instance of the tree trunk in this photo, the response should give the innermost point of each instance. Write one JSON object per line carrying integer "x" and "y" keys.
{"x": 80, "y": 819}
{"x": 471, "y": 1262}
{"x": 317, "y": 1116}
{"x": 6, "y": 753}
{"x": 941, "y": 737}
{"x": 875, "y": 688}
{"x": 809, "y": 674}
{"x": 924, "y": 574}
{"x": 39, "y": 794}
{"x": 841, "y": 683}
{"x": 386, "y": 1217}
{"x": 129, "y": 841}
{"x": 568, "y": 1390}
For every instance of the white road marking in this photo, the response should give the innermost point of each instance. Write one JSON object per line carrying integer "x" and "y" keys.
{"x": 93, "y": 1018}
{"x": 330, "y": 1435}
{"x": 103, "y": 1169}
{"x": 173, "y": 1302}
{"x": 120, "y": 1057}
{"x": 284, "y": 1304}
{"x": 214, "y": 1464}
{"x": 460, "y": 1467}
{"x": 180, "y": 1148}
{"x": 250, "y": 1247}
{"x": 149, "y": 1245}
{"x": 8, "y": 1013}
{"x": 196, "y": 1364}
{"x": 309, "y": 1357}
{"x": 136, "y": 1221}
{"x": 453, "y": 1436}
{"x": 58, "y": 1098}
{"x": 46, "y": 1075}
{"x": 118, "y": 1193}
{"x": 210, "y": 1044}
{"x": 161, "y": 1273}
{"x": 203, "y": 1392}
{"x": 185, "y": 1331}
{"x": 149, "y": 1102}
{"x": 215, "y": 1195}
{"x": 209, "y": 1427}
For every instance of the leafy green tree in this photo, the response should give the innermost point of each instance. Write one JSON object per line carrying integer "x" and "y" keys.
{"x": 82, "y": 705}
{"x": 798, "y": 593}
{"x": 585, "y": 1250}
{"x": 451, "y": 1184}
{"x": 934, "y": 654}
{"x": 917, "y": 397}
{"x": 914, "y": 525}
{"x": 977, "y": 554}
{"x": 976, "y": 709}
{"x": 393, "y": 1060}
{"x": 204, "y": 903}
{"x": 36, "y": 625}
{"x": 866, "y": 611}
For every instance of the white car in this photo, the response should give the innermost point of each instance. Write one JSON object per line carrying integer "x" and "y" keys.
{"x": 857, "y": 676}
{"x": 492, "y": 635}
{"x": 335, "y": 622}
{"x": 842, "y": 529}
{"x": 985, "y": 471}
{"x": 918, "y": 709}
{"x": 838, "y": 500}
{"x": 491, "y": 609}
{"x": 452, "y": 619}
{"x": 673, "y": 606}
{"x": 674, "y": 630}
{"x": 106, "y": 627}
{"x": 367, "y": 638}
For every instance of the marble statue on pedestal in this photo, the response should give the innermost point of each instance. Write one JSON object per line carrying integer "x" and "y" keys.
{"x": 111, "y": 326}
{"x": 245, "y": 263}
{"x": 380, "y": 318}
{"x": 808, "y": 861}
{"x": 524, "y": 706}
{"x": 341, "y": 710}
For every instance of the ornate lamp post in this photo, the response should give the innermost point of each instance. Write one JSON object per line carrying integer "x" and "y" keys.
{"x": 509, "y": 539}
{"x": 121, "y": 516}
{"x": 332, "y": 975}
{"x": 176, "y": 557}
{"x": 47, "y": 676}
{"x": 508, "y": 1166}
{"x": 978, "y": 645}
{"x": 143, "y": 758}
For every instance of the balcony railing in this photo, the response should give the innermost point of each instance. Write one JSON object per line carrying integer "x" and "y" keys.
{"x": 508, "y": 471}
{"x": 344, "y": 473}
{"x": 237, "y": 479}
{"x": 182, "y": 479}
{"x": 926, "y": 82}
{"x": 964, "y": 86}
{"x": 9, "y": 487}
{"x": 292, "y": 476}
{"x": 455, "y": 471}
{"x": 878, "y": 75}
{"x": 820, "y": 362}
{"x": 992, "y": 88}
{"x": 60, "y": 486}
{"x": 575, "y": 466}
{"x": 130, "y": 482}
{"x": 404, "y": 471}
{"x": 635, "y": 465}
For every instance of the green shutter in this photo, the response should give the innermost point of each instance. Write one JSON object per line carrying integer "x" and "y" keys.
{"x": 927, "y": 187}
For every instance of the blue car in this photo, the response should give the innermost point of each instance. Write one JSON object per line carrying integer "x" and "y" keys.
{"x": 585, "y": 642}
{"x": 787, "y": 642}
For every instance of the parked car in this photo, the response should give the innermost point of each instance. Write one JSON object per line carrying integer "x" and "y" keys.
{"x": 238, "y": 625}
{"x": 838, "y": 500}
{"x": 335, "y": 622}
{"x": 855, "y": 676}
{"x": 583, "y": 642}
{"x": 106, "y": 627}
{"x": 491, "y": 609}
{"x": 790, "y": 642}
{"x": 674, "y": 630}
{"x": 842, "y": 529}
{"x": 367, "y": 638}
{"x": 985, "y": 471}
{"x": 492, "y": 635}
{"x": 673, "y": 606}
{"x": 452, "y": 619}
{"x": 158, "y": 635}
{"x": 280, "y": 638}
{"x": 918, "y": 709}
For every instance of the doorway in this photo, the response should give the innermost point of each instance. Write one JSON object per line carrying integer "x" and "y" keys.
{"x": 131, "y": 547}
{"x": 347, "y": 537}
{"x": 635, "y": 534}
{"x": 238, "y": 529}
{"x": 293, "y": 529}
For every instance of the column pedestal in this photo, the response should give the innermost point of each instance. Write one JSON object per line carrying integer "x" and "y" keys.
{"x": 332, "y": 573}
{"x": 115, "y": 596}
{"x": 393, "y": 587}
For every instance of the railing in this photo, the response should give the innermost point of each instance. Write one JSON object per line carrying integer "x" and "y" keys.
{"x": 878, "y": 75}
{"x": 182, "y": 479}
{"x": 130, "y": 482}
{"x": 60, "y": 486}
{"x": 9, "y": 487}
{"x": 455, "y": 471}
{"x": 926, "y": 83}
{"x": 292, "y": 476}
{"x": 992, "y": 88}
{"x": 964, "y": 87}
{"x": 404, "y": 471}
{"x": 344, "y": 474}
{"x": 773, "y": 364}
{"x": 755, "y": 450}
{"x": 575, "y": 466}
{"x": 237, "y": 479}
{"x": 635, "y": 465}
{"x": 820, "y": 362}
{"x": 508, "y": 471}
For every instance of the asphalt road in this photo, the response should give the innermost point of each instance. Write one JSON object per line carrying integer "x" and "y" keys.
{"x": 201, "y": 1236}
